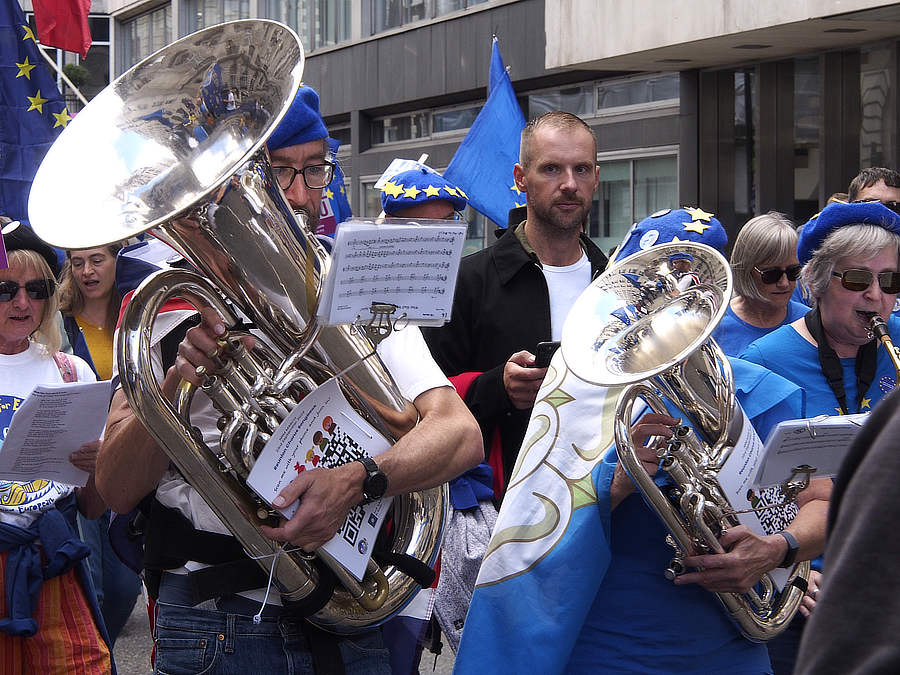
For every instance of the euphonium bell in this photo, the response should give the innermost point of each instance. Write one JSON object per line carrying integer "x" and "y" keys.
{"x": 159, "y": 150}
{"x": 639, "y": 325}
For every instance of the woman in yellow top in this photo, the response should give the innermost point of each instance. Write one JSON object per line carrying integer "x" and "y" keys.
{"x": 90, "y": 305}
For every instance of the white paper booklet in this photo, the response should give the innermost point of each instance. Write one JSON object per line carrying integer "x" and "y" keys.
{"x": 324, "y": 431}
{"x": 52, "y": 423}
{"x": 399, "y": 262}
{"x": 820, "y": 442}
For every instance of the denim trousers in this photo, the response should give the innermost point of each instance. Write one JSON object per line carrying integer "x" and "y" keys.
{"x": 190, "y": 640}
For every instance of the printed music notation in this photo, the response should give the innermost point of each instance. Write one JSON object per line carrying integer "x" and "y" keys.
{"x": 410, "y": 265}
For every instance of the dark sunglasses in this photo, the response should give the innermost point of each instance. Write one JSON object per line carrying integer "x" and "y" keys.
{"x": 893, "y": 206}
{"x": 772, "y": 275}
{"x": 37, "y": 289}
{"x": 860, "y": 280}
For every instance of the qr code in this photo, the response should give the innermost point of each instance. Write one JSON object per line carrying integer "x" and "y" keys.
{"x": 780, "y": 515}
{"x": 340, "y": 449}
{"x": 350, "y": 531}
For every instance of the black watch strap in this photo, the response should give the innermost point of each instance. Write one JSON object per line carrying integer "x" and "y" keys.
{"x": 375, "y": 483}
{"x": 792, "y": 549}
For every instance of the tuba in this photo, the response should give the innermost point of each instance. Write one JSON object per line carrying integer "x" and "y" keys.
{"x": 158, "y": 150}
{"x": 640, "y": 327}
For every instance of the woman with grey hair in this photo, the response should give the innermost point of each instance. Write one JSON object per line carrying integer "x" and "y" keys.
{"x": 765, "y": 266}
{"x": 851, "y": 257}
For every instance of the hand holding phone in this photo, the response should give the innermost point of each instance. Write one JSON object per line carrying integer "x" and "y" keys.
{"x": 543, "y": 353}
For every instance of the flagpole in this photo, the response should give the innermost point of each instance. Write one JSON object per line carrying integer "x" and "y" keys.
{"x": 62, "y": 74}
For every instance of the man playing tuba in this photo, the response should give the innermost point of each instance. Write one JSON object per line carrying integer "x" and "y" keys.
{"x": 220, "y": 631}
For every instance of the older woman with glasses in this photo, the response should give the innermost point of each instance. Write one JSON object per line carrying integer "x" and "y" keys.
{"x": 765, "y": 266}
{"x": 49, "y": 619}
{"x": 851, "y": 258}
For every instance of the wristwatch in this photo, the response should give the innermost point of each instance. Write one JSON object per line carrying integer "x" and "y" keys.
{"x": 792, "y": 548}
{"x": 375, "y": 483}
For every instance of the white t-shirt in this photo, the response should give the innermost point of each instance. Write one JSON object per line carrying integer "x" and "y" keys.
{"x": 404, "y": 353}
{"x": 565, "y": 284}
{"x": 22, "y": 502}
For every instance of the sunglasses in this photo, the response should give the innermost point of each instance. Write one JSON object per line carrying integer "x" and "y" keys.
{"x": 860, "y": 280}
{"x": 772, "y": 275}
{"x": 893, "y": 206}
{"x": 37, "y": 289}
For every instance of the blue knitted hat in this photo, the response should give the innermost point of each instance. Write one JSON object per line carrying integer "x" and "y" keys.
{"x": 419, "y": 186}
{"x": 302, "y": 122}
{"x": 837, "y": 215}
{"x": 685, "y": 224}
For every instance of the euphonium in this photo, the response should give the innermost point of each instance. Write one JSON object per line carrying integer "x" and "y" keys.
{"x": 880, "y": 330}
{"x": 634, "y": 326}
{"x": 158, "y": 150}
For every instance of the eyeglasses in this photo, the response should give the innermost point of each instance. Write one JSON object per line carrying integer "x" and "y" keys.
{"x": 37, "y": 289}
{"x": 315, "y": 176}
{"x": 893, "y": 206}
{"x": 860, "y": 280}
{"x": 772, "y": 275}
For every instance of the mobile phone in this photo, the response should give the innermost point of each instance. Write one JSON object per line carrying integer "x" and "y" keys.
{"x": 544, "y": 352}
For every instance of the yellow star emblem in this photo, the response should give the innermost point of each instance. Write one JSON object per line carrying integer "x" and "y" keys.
{"x": 515, "y": 188}
{"x": 451, "y": 191}
{"x": 460, "y": 191}
{"x": 866, "y": 403}
{"x": 518, "y": 205}
{"x": 24, "y": 69}
{"x": 392, "y": 189}
{"x": 840, "y": 411}
{"x": 699, "y": 214}
{"x": 37, "y": 103}
{"x": 432, "y": 191}
{"x": 697, "y": 227}
{"x": 62, "y": 118}
{"x": 329, "y": 194}
{"x": 28, "y": 35}
{"x": 411, "y": 192}
{"x": 341, "y": 189}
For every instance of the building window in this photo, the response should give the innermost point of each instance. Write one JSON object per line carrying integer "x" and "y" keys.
{"x": 878, "y": 98}
{"x": 401, "y": 127}
{"x": 654, "y": 91}
{"x": 389, "y": 14}
{"x": 145, "y": 34}
{"x": 91, "y": 74}
{"x": 630, "y": 190}
{"x": 746, "y": 121}
{"x": 453, "y": 119}
{"x": 576, "y": 100}
{"x": 202, "y": 13}
{"x": 807, "y": 150}
{"x": 319, "y": 23}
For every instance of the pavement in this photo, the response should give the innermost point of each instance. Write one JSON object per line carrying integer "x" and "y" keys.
{"x": 132, "y": 650}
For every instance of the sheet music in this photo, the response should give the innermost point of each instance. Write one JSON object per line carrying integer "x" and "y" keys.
{"x": 820, "y": 441}
{"x": 399, "y": 262}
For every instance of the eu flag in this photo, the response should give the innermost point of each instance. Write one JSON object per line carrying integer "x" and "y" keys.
{"x": 32, "y": 111}
{"x": 335, "y": 208}
{"x": 483, "y": 164}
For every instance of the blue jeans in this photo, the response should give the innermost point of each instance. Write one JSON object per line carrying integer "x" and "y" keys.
{"x": 116, "y": 585}
{"x": 193, "y": 641}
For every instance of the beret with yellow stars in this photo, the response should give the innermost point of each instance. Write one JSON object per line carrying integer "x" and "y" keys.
{"x": 419, "y": 186}
{"x": 684, "y": 224}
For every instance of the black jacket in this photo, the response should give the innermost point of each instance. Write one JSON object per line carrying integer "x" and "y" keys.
{"x": 501, "y": 306}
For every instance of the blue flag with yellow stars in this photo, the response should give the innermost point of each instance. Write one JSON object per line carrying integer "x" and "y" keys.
{"x": 483, "y": 164}
{"x": 32, "y": 111}
{"x": 335, "y": 207}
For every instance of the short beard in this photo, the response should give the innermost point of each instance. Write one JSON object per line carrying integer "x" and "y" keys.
{"x": 545, "y": 217}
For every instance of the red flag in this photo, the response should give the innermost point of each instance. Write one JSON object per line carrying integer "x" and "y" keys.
{"x": 64, "y": 24}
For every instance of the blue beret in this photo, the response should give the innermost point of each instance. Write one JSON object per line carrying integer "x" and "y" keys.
{"x": 301, "y": 123}
{"x": 685, "y": 224}
{"x": 419, "y": 186}
{"x": 837, "y": 215}
{"x": 680, "y": 256}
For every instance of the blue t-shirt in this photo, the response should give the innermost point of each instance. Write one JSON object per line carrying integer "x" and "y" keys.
{"x": 734, "y": 334}
{"x": 785, "y": 352}
{"x": 642, "y": 623}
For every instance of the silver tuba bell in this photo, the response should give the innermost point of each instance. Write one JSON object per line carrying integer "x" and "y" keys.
{"x": 158, "y": 150}
{"x": 640, "y": 326}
